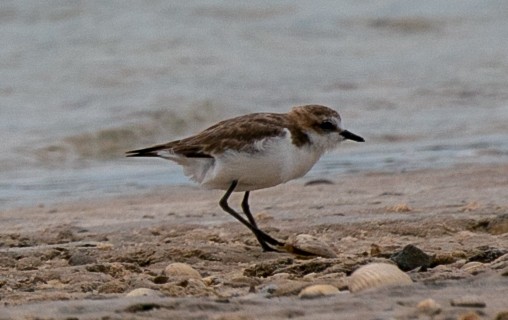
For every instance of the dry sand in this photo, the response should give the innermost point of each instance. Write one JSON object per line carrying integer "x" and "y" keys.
{"x": 79, "y": 260}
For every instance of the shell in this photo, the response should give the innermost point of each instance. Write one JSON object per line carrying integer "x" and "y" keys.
{"x": 305, "y": 244}
{"x": 317, "y": 291}
{"x": 181, "y": 270}
{"x": 429, "y": 307}
{"x": 190, "y": 287}
{"x": 468, "y": 301}
{"x": 143, "y": 292}
{"x": 377, "y": 275}
{"x": 288, "y": 288}
{"x": 500, "y": 263}
{"x": 474, "y": 267}
{"x": 471, "y": 315}
{"x": 211, "y": 280}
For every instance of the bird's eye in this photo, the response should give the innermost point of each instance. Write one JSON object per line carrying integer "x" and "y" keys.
{"x": 327, "y": 126}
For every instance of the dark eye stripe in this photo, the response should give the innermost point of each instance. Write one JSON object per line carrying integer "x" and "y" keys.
{"x": 327, "y": 126}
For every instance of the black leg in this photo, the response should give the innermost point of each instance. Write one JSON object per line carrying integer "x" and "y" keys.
{"x": 246, "y": 210}
{"x": 262, "y": 237}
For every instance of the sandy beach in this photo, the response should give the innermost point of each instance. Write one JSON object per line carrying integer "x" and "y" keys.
{"x": 79, "y": 260}
{"x": 86, "y": 233}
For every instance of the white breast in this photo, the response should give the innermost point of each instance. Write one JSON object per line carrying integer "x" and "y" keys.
{"x": 275, "y": 161}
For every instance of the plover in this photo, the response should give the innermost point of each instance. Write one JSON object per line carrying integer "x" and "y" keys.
{"x": 255, "y": 151}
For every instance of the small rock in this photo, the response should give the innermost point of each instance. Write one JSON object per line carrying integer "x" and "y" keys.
{"x": 458, "y": 264}
{"x": 411, "y": 258}
{"x": 377, "y": 275}
{"x": 318, "y": 182}
{"x": 498, "y": 225}
{"x": 468, "y": 301}
{"x": 263, "y": 216}
{"x": 143, "y": 292}
{"x": 265, "y": 269}
{"x": 104, "y": 246}
{"x": 240, "y": 281}
{"x": 503, "y": 315}
{"x": 500, "y": 263}
{"x": 429, "y": 307}
{"x": 471, "y": 315}
{"x": 211, "y": 280}
{"x": 53, "y": 284}
{"x": 305, "y": 244}
{"x": 160, "y": 279}
{"x": 113, "y": 286}
{"x": 28, "y": 263}
{"x": 447, "y": 258}
{"x": 79, "y": 259}
{"x": 114, "y": 269}
{"x": 268, "y": 290}
{"x": 488, "y": 254}
{"x": 317, "y": 291}
{"x": 474, "y": 267}
{"x": 401, "y": 207}
{"x": 181, "y": 270}
{"x": 280, "y": 276}
{"x": 7, "y": 262}
{"x": 289, "y": 288}
{"x": 471, "y": 206}
{"x": 190, "y": 287}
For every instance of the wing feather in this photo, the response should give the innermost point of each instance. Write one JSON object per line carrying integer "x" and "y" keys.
{"x": 238, "y": 134}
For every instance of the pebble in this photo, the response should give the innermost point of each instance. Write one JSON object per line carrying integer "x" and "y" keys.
{"x": 317, "y": 291}
{"x": 186, "y": 288}
{"x": 28, "y": 263}
{"x": 104, "y": 246}
{"x": 305, "y": 244}
{"x": 113, "y": 286}
{"x": 181, "y": 270}
{"x": 474, "y": 267}
{"x": 143, "y": 292}
{"x": 268, "y": 290}
{"x": 280, "y": 276}
{"x": 468, "y": 301}
{"x": 318, "y": 182}
{"x": 488, "y": 255}
{"x": 377, "y": 275}
{"x": 399, "y": 208}
{"x": 429, "y": 307}
{"x": 503, "y": 315}
{"x": 500, "y": 263}
{"x": 471, "y": 315}
{"x": 498, "y": 225}
{"x": 211, "y": 280}
{"x": 289, "y": 288}
{"x": 80, "y": 259}
{"x": 410, "y": 258}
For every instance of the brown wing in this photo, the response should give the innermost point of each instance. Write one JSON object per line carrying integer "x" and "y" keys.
{"x": 233, "y": 134}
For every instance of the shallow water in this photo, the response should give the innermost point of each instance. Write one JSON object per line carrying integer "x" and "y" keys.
{"x": 81, "y": 82}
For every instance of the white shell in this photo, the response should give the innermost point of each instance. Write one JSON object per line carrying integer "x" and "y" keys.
{"x": 377, "y": 275}
{"x": 318, "y": 290}
{"x": 181, "y": 270}
{"x": 470, "y": 301}
{"x": 310, "y": 245}
{"x": 143, "y": 292}
{"x": 429, "y": 307}
{"x": 474, "y": 267}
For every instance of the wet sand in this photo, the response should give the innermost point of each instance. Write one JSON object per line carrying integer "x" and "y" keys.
{"x": 79, "y": 260}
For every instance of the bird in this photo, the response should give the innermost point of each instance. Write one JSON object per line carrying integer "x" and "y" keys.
{"x": 255, "y": 151}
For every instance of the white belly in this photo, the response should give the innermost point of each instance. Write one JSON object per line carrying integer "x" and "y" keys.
{"x": 277, "y": 162}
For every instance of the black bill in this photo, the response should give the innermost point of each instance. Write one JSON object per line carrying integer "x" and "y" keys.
{"x": 351, "y": 136}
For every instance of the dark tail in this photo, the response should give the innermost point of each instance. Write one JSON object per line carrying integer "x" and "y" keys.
{"x": 147, "y": 152}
